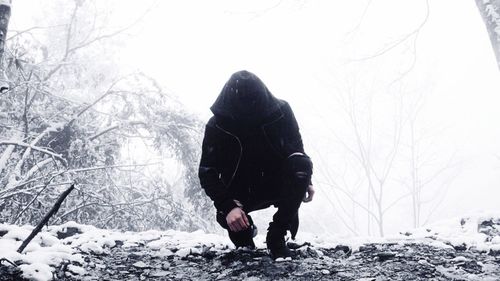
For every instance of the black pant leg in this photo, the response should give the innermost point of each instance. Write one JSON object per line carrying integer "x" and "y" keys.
{"x": 296, "y": 177}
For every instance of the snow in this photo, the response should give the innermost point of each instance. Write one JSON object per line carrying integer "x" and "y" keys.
{"x": 459, "y": 259}
{"x": 76, "y": 269}
{"x": 283, "y": 259}
{"x": 46, "y": 251}
{"x": 459, "y": 231}
{"x": 37, "y": 271}
{"x": 183, "y": 252}
{"x": 141, "y": 264}
{"x": 163, "y": 252}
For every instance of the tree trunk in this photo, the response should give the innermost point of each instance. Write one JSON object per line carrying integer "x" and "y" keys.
{"x": 4, "y": 24}
{"x": 490, "y": 12}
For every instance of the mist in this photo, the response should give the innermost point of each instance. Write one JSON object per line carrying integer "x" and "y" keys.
{"x": 391, "y": 97}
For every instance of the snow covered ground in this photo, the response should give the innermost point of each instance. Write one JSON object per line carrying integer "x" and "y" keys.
{"x": 66, "y": 248}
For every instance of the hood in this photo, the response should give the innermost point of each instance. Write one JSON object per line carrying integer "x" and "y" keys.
{"x": 245, "y": 98}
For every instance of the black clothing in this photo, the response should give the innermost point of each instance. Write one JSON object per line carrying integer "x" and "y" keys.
{"x": 283, "y": 189}
{"x": 245, "y": 148}
{"x": 222, "y": 151}
{"x": 275, "y": 240}
{"x": 257, "y": 159}
{"x": 242, "y": 238}
{"x": 245, "y": 98}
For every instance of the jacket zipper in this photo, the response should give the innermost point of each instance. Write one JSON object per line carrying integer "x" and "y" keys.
{"x": 239, "y": 158}
{"x": 269, "y": 123}
{"x": 241, "y": 145}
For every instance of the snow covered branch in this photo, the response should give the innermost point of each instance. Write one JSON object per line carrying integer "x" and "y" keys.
{"x": 40, "y": 149}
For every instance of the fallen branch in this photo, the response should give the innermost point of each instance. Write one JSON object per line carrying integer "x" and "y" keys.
{"x": 45, "y": 219}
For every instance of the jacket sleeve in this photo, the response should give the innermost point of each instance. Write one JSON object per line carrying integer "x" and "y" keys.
{"x": 296, "y": 138}
{"x": 209, "y": 174}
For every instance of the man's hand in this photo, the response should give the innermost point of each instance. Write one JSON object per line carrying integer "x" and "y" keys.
{"x": 308, "y": 197}
{"x": 237, "y": 220}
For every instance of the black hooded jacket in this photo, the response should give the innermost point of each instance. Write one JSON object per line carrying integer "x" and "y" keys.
{"x": 251, "y": 132}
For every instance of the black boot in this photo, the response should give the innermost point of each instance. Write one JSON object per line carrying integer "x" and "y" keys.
{"x": 275, "y": 241}
{"x": 244, "y": 238}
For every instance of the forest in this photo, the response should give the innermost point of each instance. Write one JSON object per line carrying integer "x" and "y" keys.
{"x": 110, "y": 98}
{"x": 69, "y": 117}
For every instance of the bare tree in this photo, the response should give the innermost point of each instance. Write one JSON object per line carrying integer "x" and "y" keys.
{"x": 371, "y": 147}
{"x": 379, "y": 161}
{"x": 427, "y": 166}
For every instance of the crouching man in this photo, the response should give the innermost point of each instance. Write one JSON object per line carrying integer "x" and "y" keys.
{"x": 252, "y": 158}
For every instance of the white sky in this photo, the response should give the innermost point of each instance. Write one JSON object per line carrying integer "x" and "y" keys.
{"x": 300, "y": 48}
{"x": 305, "y": 50}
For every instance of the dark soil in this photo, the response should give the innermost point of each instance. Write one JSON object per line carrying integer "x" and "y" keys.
{"x": 371, "y": 262}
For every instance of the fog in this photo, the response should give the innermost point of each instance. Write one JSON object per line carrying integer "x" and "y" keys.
{"x": 376, "y": 61}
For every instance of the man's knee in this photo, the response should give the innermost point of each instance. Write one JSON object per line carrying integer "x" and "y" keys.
{"x": 298, "y": 167}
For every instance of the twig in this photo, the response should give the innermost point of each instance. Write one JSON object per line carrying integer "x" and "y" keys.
{"x": 34, "y": 199}
{"x": 4, "y": 259}
{"x": 400, "y": 41}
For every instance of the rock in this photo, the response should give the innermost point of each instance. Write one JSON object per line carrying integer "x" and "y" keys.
{"x": 494, "y": 252}
{"x": 196, "y": 251}
{"x": 252, "y": 278}
{"x": 159, "y": 273}
{"x": 283, "y": 259}
{"x": 459, "y": 259}
{"x": 460, "y": 247}
{"x": 223, "y": 274}
{"x": 373, "y": 262}
{"x": 367, "y": 248}
{"x": 424, "y": 262}
{"x": 141, "y": 264}
{"x": 346, "y": 249}
{"x": 183, "y": 252}
{"x": 68, "y": 232}
{"x": 134, "y": 256}
{"x": 383, "y": 256}
{"x": 165, "y": 265}
{"x": 294, "y": 246}
{"x": 9, "y": 273}
{"x": 100, "y": 266}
